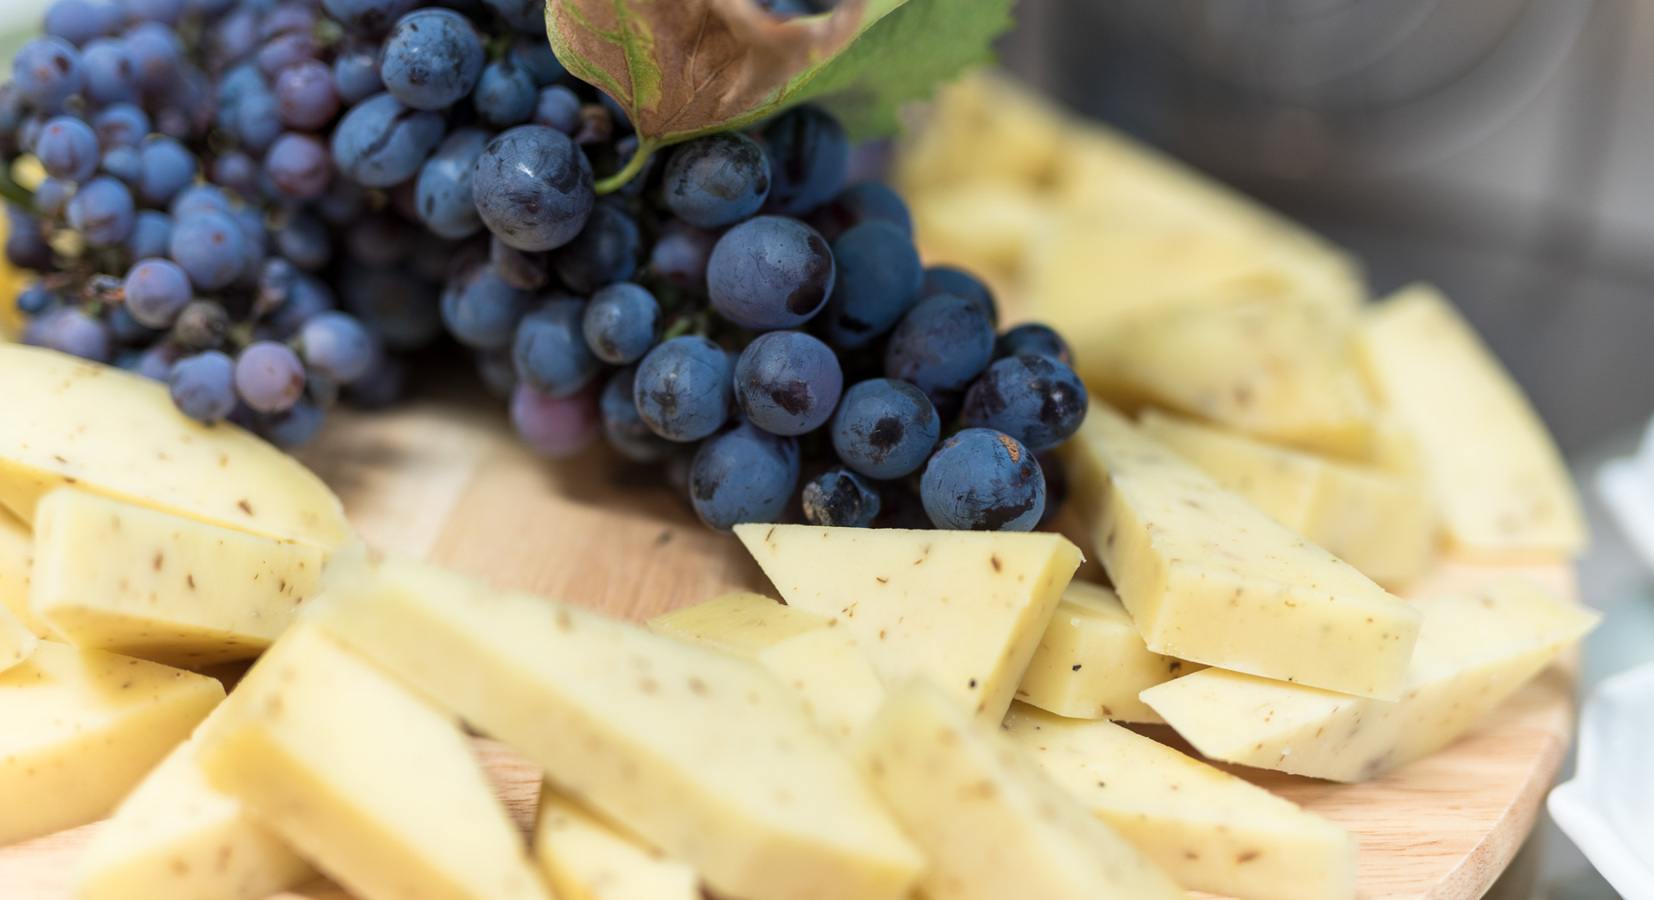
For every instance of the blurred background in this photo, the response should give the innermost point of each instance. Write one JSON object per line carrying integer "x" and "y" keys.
{"x": 1499, "y": 148}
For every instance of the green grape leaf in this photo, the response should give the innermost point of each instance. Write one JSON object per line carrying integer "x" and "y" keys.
{"x": 903, "y": 57}
{"x": 682, "y": 68}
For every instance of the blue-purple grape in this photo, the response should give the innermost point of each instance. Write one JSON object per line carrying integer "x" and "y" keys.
{"x": 293, "y": 427}
{"x": 298, "y": 165}
{"x": 809, "y": 160}
{"x": 554, "y": 426}
{"x": 1032, "y": 338}
{"x": 787, "y": 382}
{"x": 879, "y": 277}
{"x": 269, "y": 377}
{"x": 716, "y": 180}
{"x": 26, "y": 248}
{"x": 1035, "y": 399}
{"x": 443, "y": 190}
{"x": 605, "y": 251}
{"x": 558, "y": 108}
{"x": 770, "y": 272}
{"x": 840, "y": 498}
{"x": 356, "y": 74}
{"x": 379, "y": 239}
{"x": 983, "y": 480}
{"x": 123, "y": 163}
{"x": 505, "y": 94}
{"x": 533, "y": 188}
{"x": 862, "y": 202}
{"x": 68, "y": 149}
{"x": 621, "y": 323}
{"x": 157, "y": 290}
{"x": 201, "y": 325}
{"x": 683, "y": 388}
{"x": 368, "y": 16}
{"x": 481, "y": 310}
{"x": 285, "y": 50}
{"x": 623, "y": 428}
{"x": 211, "y": 249}
{"x": 303, "y": 239}
{"x": 549, "y": 351}
{"x": 167, "y": 12}
{"x": 535, "y": 55}
{"x": 70, "y": 330}
{"x": 959, "y": 283}
{"x": 381, "y": 386}
{"x": 155, "y": 362}
{"x": 432, "y": 58}
{"x": 940, "y": 346}
{"x": 305, "y": 95}
{"x": 102, "y": 211}
{"x": 380, "y": 142}
{"x": 51, "y": 197}
{"x": 75, "y": 21}
{"x": 520, "y": 269}
{"x": 338, "y": 346}
{"x": 743, "y": 474}
{"x": 157, "y": 53}
{"x": 199, "y": 198}
{"x": 885, "y": 428}
{"x": 151, "y": 234}
{"x": 34, "y": 300}
{"x": 120, "y": 124}
{"x": 48, "y": 71}
{"x": 236, "y": 171}
{"x": 680, "y": 254}
{"x": 307, "y": 297}
{"x": 168, "y": 168}
{"x": 203, "y": 386}
{"x": 111, "y": 75}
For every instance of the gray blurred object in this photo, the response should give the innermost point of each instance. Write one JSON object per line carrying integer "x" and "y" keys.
{"x": 1503, "y": 149}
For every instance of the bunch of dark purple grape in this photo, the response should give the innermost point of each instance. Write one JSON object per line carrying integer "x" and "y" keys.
{"x": 265, "y": 204}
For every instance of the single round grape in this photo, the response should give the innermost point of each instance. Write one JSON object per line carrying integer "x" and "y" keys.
{"x": 51, "y": 197}
{"x": 239, "y": 81}
{"x": 48, "y": 71}
{"x": 156, "y": 52}
{"x": 432, "y": 58}
{"x": 199, "y": 198}
{"x": 809, "y": 160}
{"x": 68, "y": 149}
{"x": 102, "y": 211}
{"x": 285, "y": 50}
{"x": 862, "y": 202}
{"x": 879, "y": 277}
{"x": 75, "y": 21}
{"x": 505, "y": 94}
{"x": 34, "y": 300}
{"x": 356, "y": 74}
{"x": 201, "y": 325}
{"x": 293, "y": 427}
{"x": 156, "y": 291}
{"x": 305, "y": 95}
{"x": 253, "y": 238}
{"x": 839, "y": 498}
{"x": 885, "y": 428}
{"x": 123, "y": 163}
{"x": 959, "y": 283}
{"x": 788, "y": 382}
{"x": 770, "y": 272}
{"x": 680, "y": 254}
{"x": 151, "y": 234}
{"x": 127, "y": 330}
{"x": 743, "y": 474}
{"x": 111, "y": 75}
{"x": 25, "y": 246}
{"x": 623, "y": 428}
{"x": 303, "y": 239}
{"x": 307, "y": 297}
{"x": 716, "y": 180}
{"x": 232, "y": 38}
{"x": 166, "y": 12}
{"x": 622, "y": 322}
{"x": 1032, "y": 338}
{"x": 120, "y": 123}
{"x": 605, "y": 251}
{"x": 683, "y": 388}
{"x": 526, "y": 16}
{"x": 203, "y": 386}
{"x": 401, "y": 309}
{"x": 337, "y": 345}
{"x": 257, "y": 120}
{"x": 269, "y": 377}
{"x": 70, "y": 330}
{"x": 522, "y": 270}
{"x": 168, "y": 168}
{"x": 369, "y": 16}
{"x": 549, "y": 351}
{"x": 557, "y": 107}
{"x": 481, "y": 310}
{"x": 287, "y": 18}
{"x": 535, "y": 55}
{"x": 211, "y": 249}
{"x": 155, "y": 362}
{"x": 236, "y": 171}
{"x": 555, "y": 427}
{"x": 983, "y": 480}
{"x": 940, "y": 346}
{"x": 533, "y": 188}
{"x": 443, "y": 191}
{"x": 298, "y": 165}
{"x": 380, "y": 142}
{"x": 1033, "y": 398}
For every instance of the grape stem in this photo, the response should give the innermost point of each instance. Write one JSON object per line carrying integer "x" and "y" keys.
{"x": 618, "y": 180}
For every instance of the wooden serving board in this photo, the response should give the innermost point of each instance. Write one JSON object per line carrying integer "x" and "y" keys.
{"x": 444, "y": 480}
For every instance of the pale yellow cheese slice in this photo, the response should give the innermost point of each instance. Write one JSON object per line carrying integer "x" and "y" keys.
{"x": 376, "y": 787}
{"x": 16, "y": 640}
{"x": 1208, "y": 577}
{"x": 586, "y": 859}
{"x": 964, "y": 609}
{"x": 1382, "y": 523}
{"x": 1207, "y": 829}
{"x": 807, "y": 652}
{"x": 1092, "y": 663}
{"x": 1475, "y": 650}
{"x": 111, "y": 432}
{"x": 165, "y": 588}
{"x": 175, "y": 837}
{"x": 79, "y": 728}
{"x": 1501, "y": 483}
{"x": 16, "y": 563}
{"x": 705, "y": 756}
{"x": 993, "y": 825}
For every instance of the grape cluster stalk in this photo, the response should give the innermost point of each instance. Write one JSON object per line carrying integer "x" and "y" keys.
{"x": 269, "y": 204}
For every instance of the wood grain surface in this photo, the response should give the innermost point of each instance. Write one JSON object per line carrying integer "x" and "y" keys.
{"x": 445, "y": 481}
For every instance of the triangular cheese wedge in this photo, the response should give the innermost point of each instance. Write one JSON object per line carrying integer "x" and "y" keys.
{"x": 176, "y": 838}
{"x": 16, "y": 640}
{"x": 376, "y": 787}
{"x": 585, "y": 858}
{"x": 1208, "y": 577}
{"x": 79, "y": 728}
{"x": 964, "y": 609}
{"x": 1206, "y": 828}
{"x": 993, "y": 825}
{"x": 16, "y": 563}
{"x": 1475, "y": 650}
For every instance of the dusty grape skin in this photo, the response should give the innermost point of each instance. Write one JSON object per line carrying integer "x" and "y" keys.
{"x": 481, "y": 310}
{"x": 1033, "y": 398}
{"x": 949, "y": 280}
{"x": 605, "y": 251}
{"x": 742, "y": 474}
{"x": 983, "y": 480}
{"x": 716, "y": 180}
{"x": 549, "y": 351}
{"x": 381, "y": 143}
{"x": 622, "y": 322}
{"x": 623, "y": 428}
{"x": 884, "y": 428}
{"x": 533, "y": 188}
{"x": 444, "y": 197}
{"x": 840, "y": 498}
{"x": 879, "y": 276}
{"x": 788, "y": 383}
{"x": 682, "y": 389}
{"x": 555, "y": 427}
{"x": 770, "y": 272}
{"x": 432, "y": 58}
{"x": 940, "y": 346}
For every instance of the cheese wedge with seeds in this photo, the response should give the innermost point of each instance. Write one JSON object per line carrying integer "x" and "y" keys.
{"x": 16, "y": 565}
{"x": 584, "y": 858}
{"x": 964, "y": 609}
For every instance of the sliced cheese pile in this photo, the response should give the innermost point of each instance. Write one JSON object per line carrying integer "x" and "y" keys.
{"x": 585, "y": 859}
